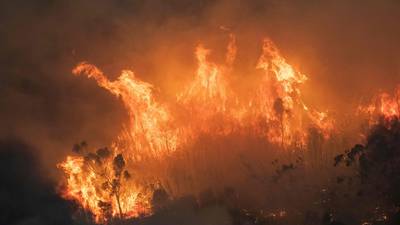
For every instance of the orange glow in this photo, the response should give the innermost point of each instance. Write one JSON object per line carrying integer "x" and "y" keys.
{"x": 85, "y": 186}
{"x": 383, "y": 105}
{"x": 148, "y": 124}
{"x": 275, "y": 111}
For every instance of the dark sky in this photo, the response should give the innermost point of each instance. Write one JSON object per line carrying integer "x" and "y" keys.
{"x": 348, "y": 48}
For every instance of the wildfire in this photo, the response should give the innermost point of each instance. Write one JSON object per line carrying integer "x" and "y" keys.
{"x": 95, "y": 186}
{"x": 383, "y": 105}
{"x": 149, "y": 121}
{"x": 279, "y": 100}
{"x": 275, "y": 112}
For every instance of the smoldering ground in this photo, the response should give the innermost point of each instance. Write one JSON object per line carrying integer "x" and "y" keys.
{"x": 348, "y": 49}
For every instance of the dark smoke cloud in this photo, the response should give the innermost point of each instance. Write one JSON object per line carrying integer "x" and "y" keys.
{"x": 26, "y": 196}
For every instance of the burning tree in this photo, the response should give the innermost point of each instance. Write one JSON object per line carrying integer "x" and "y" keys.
{"x": 106, "y": 171}
{"x": 113, "y": 177}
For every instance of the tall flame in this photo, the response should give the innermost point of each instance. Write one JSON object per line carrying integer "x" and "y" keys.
{"x": 148, "y": 124}
{"x": 275, "y": 112}
{"x": 383, "y": 105}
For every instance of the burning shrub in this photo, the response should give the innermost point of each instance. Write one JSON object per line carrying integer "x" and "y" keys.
{"x": 102, "y": 176}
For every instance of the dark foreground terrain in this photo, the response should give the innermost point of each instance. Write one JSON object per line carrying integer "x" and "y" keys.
{"x": 364, "y": 191}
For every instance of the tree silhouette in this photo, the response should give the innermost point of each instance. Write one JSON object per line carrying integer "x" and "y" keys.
{"x": 111, "y": 170}
{"x": 280, "y": 110}
{"x": 377, "y": 163}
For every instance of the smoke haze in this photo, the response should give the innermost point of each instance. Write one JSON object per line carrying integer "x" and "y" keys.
{"x": 348, "y": 48}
